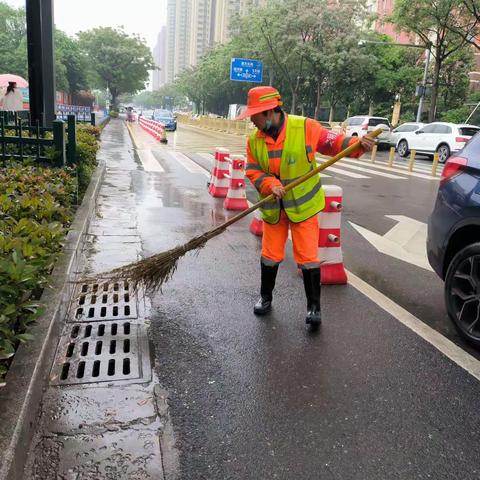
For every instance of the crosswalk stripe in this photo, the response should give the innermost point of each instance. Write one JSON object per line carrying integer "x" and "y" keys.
{"x": 344, "y": 172}
{"x": 406, "y": 172}
{"x": 149, "y": 162}
{"x": 421, "y": 167}
{"x": 206, "y": 156}
{"x": 370, "y": 171}
{"x": 188, "y": 164}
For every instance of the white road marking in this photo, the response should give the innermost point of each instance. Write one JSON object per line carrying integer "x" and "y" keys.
{"x": 425, "y": 176}
{"x": 369, "y": 171}
{"x": 149, "y": 162}
{"x": 343, "y": 172}
{"x": 188, "y": 164}
{"x": 406, "y": 241}
{"x": 206, "y": 156}
{"x": 437, "y": 340}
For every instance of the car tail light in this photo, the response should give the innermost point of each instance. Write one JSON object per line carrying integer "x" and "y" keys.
{"x": 461, "y": 139}
{"x": 454, "y": 166}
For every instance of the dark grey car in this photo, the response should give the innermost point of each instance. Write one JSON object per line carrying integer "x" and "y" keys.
{"x": 453, "y": 242}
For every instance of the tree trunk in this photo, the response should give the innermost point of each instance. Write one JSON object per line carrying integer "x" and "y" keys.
{"x": 330, "y": 116}
{"x": 435, "y": 80}
{"x": 114, "y": 105}
{"x": 317, "y": 104}
{"x": 370, "y": 108}
{"x": 294, "y": 102}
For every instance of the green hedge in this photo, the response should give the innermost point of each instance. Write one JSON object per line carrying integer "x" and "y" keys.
{"x": 37, "y": 205}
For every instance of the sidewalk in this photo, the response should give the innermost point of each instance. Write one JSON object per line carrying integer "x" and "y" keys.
{"x": 103, "y": 415}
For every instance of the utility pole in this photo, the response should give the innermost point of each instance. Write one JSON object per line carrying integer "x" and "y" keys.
{"x": 48, "y": 59}
{"x": 41, "y": 64}
{"x": 424, "y": 84}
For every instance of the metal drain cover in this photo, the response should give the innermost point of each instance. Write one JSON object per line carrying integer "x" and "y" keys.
{"x": 102, "y": 352}
{"x": 103, "y": 300}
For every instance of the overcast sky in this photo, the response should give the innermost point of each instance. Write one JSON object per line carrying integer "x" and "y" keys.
{"x": 144, "y": 17}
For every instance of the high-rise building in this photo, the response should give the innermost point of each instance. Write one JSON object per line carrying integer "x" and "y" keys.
{"x": 159, "y": 77}
{"x": 194, "y": 26}
{"x": 225, "y": 10}
{"x": 201, "y": 29}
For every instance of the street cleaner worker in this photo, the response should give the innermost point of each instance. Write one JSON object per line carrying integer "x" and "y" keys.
{"x": 281, "y": 149}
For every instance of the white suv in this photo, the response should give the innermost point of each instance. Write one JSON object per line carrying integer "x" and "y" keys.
{"x": 360, "y": 125}
{"x": 444, "y": 138}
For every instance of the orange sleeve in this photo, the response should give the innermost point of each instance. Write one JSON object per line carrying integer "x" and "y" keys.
{"x": 260, "y": 179}
{"x": 328, "y": 142}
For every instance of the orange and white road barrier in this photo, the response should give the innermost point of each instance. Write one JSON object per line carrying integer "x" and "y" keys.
{"x": 236, "y": 198}
{"x": 219, "y": 183}
{"x": 154, "y": 128}
{"x": 329, "y": 238}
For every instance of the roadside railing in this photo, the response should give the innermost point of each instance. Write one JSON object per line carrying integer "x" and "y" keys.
{"x": 21, "y": 141}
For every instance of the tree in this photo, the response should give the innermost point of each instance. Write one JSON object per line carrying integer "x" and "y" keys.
{"x": 432, "y": 21}
{"x": 71, "y": 64}
{"x": 13, "y": 45}
{"x": 468, "y": 22}
{"x": 117, "y": 60}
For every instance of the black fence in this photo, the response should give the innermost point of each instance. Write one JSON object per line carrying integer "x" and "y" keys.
{"x": 19, "y": 140}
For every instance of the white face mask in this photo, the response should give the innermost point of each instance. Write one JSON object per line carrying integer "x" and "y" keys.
{"x": 268, "y": 124}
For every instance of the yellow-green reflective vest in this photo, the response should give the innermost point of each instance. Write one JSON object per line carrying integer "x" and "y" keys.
{"x": 308, "y": 198}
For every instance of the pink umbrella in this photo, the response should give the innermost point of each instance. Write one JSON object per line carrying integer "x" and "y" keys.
{"x": 8, "y": 77}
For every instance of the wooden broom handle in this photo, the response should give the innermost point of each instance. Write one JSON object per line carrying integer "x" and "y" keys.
{"x": 344, "y": 153}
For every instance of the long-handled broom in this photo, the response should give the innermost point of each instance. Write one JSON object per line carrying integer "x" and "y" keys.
{"x": 154, "y": 271}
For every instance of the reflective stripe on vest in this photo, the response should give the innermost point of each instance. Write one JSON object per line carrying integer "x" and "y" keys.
{"x": 308, "y": 198}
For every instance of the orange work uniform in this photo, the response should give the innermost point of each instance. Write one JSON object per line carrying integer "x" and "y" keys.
{"x": 304, "y": 234}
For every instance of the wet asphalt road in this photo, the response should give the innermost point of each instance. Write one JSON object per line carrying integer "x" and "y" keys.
{"x": 364, "y": 398}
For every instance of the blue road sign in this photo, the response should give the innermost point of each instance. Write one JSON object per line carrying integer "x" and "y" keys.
{"x": 246, "y": 70}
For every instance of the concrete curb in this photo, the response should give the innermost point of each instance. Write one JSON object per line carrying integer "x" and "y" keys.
{"x": 20, "y": 399}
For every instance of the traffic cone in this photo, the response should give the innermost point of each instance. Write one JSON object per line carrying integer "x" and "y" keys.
{"x": 219, "y": 183}
{"x": 163, "y": 134}
{"x": 236, "y": 196}
{"x": 329, "y": 238}
{"x": 256, "y": 225}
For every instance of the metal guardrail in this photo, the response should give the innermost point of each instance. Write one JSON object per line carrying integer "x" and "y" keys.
{"x": 21, "y": 141}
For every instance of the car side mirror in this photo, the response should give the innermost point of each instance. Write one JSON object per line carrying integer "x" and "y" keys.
{"x": 418, "y": 132}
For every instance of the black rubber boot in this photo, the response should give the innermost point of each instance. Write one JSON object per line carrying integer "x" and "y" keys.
{"x": 311, "y": 282}
{"x": 264, "y": 304}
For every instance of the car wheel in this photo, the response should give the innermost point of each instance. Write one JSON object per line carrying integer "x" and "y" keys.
{"x": 402, "y": 148}
{"x": 462, "y": 293}
{"x": 443, "y": 153}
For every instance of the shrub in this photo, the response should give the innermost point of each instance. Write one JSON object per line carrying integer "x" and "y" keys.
{"x": 113, "y": 114}
{"x": 36, "y": 207}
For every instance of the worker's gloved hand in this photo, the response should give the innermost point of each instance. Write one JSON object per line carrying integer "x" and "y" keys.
{"x": 367, "y": 143}
{"x": 278, "y": 191}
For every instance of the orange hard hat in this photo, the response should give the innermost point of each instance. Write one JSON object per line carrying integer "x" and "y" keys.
{"x": 261, "y": 99}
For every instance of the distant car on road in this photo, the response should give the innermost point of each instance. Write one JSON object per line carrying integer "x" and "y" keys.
{"x": 147, "y": 114}
{"x": 325, "y": 124}
{"x": 453, "y": 241}
{"x": 167, "y": 118}
{"x": 402, "y": 129}
{"x": 360, "y": 125}
{"x": 442, "y": 137}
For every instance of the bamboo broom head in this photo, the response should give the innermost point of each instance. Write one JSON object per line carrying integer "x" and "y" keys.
{"x": 152, "y": 272}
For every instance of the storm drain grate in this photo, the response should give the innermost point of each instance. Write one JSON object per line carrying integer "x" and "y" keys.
{"x": 102, "y": 301}
{"x": 101, "y": 352}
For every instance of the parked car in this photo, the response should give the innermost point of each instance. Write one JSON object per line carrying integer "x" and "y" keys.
{"x": 402, "y": 129}
{"x": 444, "y": 138}
{"x": 453, "y": 241}
{"x": 167, "y": 118}
{"x": 360, "y": 125}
